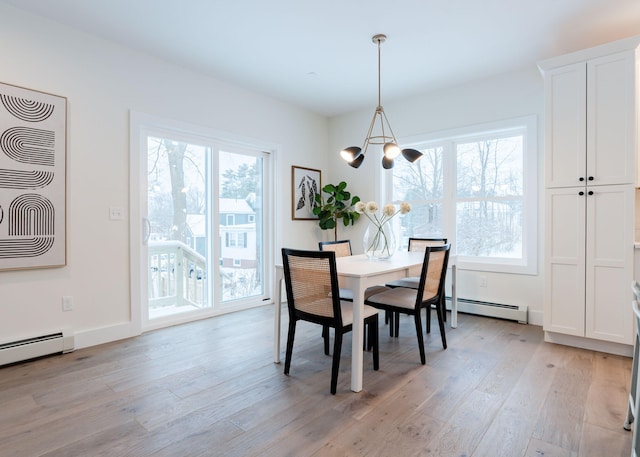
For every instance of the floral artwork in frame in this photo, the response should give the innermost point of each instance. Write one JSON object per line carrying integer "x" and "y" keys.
{"x": 305, "y": 184}
{"x": 33, "y": 127}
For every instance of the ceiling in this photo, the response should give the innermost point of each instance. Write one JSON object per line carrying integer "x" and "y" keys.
{"x": 319, "y": 55}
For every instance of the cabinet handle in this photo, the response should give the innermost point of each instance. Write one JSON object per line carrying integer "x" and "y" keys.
{"x": 580, "y": 193}
{"x": 590, "y": 192}
{"x": 581, "y": 178}
{"x": 590, "y": 178}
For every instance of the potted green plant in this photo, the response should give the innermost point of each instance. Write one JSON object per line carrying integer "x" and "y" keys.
{"x": 338, "y": 205}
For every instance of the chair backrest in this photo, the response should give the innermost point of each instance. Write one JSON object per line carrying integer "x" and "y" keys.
{"x": 311, "y": 282}
{"x": 434, "y": 272}
{"x": 341, "y": 248}
{"x": 419, "y": 244}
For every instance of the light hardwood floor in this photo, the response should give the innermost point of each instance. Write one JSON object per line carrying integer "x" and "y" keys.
{"x": 210, "y": 388}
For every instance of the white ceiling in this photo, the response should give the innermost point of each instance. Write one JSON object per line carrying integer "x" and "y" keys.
{"x": 319, "y": 54}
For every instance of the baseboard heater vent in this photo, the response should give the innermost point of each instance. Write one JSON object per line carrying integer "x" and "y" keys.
{"x": 483, "y": 308}
{"x": 30, "y": 348}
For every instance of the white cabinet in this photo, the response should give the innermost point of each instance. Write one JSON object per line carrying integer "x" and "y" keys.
{"x": 590, "y": 171}
{"x": 588, "y": 265}
{"x": 590, "y": 122}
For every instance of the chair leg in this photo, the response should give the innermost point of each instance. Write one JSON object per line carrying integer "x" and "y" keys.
{"x": 386, "y": 317}
{"x": 418, "y": 320}
{"x": 444, "y": 309}
{"x": 397, "y": 324}
{"x": 392, "y": 317}
{"x": 325, "y": 336}
{"x": 290, "y": 336}
{"x": 374, "y": 340}
{"x": 335, "y": 367}
{"x": 428, "y": 312}
{"x": 441, "y": 325}
{"x": 366, "y": 337}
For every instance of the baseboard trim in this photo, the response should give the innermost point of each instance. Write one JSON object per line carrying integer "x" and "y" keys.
{"x": 590, "y": 344}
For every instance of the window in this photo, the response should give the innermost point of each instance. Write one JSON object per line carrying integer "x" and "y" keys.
{"x": 476, "y": 187}
{"x": 236, "y": 239}
{"x": 231, "y": 219}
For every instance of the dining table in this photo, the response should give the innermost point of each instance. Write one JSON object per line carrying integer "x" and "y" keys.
{"x": 358, "y": 272}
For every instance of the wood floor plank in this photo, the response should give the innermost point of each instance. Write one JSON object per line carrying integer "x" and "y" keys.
{"x": 561, "y": 419}
{"x": 598, "y": 442}
{"x": 539, "y": 448}
{"x": 608, "y": 392}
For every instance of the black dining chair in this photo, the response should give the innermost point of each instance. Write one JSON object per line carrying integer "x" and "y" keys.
{"x": 415, "y": 245}
{"x": 430, "y": 291}
{"x": 342, "y": 248}
{"x": 311, "y": 283}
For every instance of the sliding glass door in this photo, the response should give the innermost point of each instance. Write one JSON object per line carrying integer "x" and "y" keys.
{"x": 204, "y": 226}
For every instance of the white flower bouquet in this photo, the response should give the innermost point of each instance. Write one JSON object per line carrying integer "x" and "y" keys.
{"x": 378, "y": 244}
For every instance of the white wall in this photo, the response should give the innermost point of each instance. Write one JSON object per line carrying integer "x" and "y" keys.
{"x": 102, "y": 83}
{"x": 508, "y": 96}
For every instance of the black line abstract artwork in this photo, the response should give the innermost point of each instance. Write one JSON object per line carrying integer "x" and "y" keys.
{"x": 32, "y": 178}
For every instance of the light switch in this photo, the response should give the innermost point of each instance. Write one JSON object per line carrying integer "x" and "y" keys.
{"x": 116, "y": 213}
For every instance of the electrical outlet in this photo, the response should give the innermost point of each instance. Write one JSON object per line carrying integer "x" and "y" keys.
{"x": 116, "y": 213}
{"x": 67, "y": 303}
{"x": 483, "y": 281}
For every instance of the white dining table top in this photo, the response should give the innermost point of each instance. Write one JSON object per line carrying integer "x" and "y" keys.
{"x": 361, "y": 266}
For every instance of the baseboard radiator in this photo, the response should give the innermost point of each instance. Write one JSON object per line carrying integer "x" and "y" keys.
{"x": 31, "y": 348}
{"x": 483, "y": 308}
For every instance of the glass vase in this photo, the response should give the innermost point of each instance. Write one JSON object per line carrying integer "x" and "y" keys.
{"x": 379, "y": 241}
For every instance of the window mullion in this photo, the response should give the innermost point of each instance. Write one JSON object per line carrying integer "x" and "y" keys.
{"x": 449, "y": 193}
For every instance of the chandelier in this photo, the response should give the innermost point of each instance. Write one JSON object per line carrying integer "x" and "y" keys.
{"x": 382, "y": 135}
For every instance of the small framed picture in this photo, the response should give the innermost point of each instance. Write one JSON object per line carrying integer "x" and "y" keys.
{"x": 305, "y": 185}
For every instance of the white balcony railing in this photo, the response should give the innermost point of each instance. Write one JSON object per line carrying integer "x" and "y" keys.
{"x": 177, "y": 275}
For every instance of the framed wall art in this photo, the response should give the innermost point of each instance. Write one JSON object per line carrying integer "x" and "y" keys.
{"x": 33, "y": 144}
{"x": 305, "y": 184}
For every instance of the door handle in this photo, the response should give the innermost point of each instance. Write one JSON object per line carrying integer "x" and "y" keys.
{"x": 146, "y": 230}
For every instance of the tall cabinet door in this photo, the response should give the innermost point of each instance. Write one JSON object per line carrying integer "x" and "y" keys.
{"x": 564, "y": 309}
{"x": 565, "y": 125}
{"x": 609, "y": 263}
{"x": 611, "y": 119}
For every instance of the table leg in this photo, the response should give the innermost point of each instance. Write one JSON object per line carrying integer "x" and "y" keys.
{"x": 357, "y": 337}
{"x": 278, "y": 307}
{"x": 454, "y": 297}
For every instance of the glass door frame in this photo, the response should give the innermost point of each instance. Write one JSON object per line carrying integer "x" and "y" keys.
{"x": 142, "y": 126}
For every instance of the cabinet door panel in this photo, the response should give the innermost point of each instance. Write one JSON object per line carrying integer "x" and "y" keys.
{"x": 609, "y": 263}
{"x": 565, "y": 261}
{"x": 565, "y": 125}
{"x": 611, "y": 119}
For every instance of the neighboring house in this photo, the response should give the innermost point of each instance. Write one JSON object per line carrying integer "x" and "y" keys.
{"x": 237, "y": 233}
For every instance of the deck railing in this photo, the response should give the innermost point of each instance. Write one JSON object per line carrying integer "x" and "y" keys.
{"x": 176, "y": 275}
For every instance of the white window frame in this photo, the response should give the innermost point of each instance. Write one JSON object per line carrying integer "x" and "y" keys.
{"x": 528, "y": 263}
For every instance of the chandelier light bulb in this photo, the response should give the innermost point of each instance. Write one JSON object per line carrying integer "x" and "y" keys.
{"x": 391, "y": 150}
